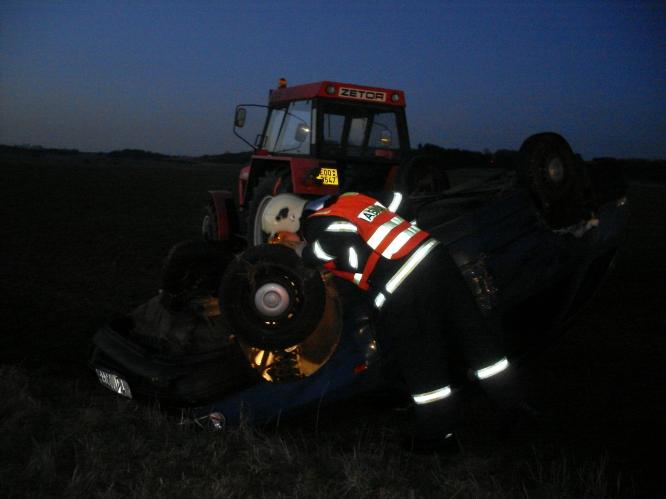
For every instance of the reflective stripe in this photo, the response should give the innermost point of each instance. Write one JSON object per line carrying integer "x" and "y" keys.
{"x": 395, "y": 202}
{"x": 493, "y": 369}
{"x": 320, "y": 253}
{"x": 400, "y": 240}
{"x": 353, "y": 258}
{"x": 341, "y": 227}
{"x": 433, "y": 396}
{"x": 410, "y": 265}
{"x": 383, "y": 230}
{"x": 379, "y": 300}
{"x": 357, "y": 278}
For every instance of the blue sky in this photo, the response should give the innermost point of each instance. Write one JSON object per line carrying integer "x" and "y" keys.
{"x": 165, "y": 76}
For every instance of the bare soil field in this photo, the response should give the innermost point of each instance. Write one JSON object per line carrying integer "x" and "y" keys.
{"x": 83, "y": 238}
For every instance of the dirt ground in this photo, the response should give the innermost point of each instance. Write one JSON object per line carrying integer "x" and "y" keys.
{"x": 83, "y": 238}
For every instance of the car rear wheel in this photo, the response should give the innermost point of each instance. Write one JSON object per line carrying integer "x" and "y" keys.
{"x": 556, "y": 179}
{"x": 270, "y": 299}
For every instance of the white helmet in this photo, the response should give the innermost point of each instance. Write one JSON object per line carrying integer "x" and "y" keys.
{"x": 282, "y": 214}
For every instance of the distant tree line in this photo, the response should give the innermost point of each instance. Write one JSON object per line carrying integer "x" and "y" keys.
{"x": 228, "y": 157}
{"x": 136, "y": 154}
{"x": 633, "y": 169}
{"x": 461, "y": 158}
{"x": 31, "y": 150}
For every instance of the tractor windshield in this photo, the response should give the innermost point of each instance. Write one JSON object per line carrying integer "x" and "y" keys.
{"x": 289, "y": 129}
{"x": 364, "y": 132}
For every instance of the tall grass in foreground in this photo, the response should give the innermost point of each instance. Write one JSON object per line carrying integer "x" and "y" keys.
{"x": 66, "y": 440}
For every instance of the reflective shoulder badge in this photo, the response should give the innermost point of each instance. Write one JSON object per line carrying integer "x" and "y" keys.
{"x": 369, "y": 213}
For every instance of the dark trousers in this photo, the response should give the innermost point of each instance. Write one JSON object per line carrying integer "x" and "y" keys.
{"x": 435, "y": 326}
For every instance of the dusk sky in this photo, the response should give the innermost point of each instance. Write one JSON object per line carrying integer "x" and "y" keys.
{"x": 166, "y": 76}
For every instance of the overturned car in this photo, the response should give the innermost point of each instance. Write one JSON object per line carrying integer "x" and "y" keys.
{"x": 252, "y": 331}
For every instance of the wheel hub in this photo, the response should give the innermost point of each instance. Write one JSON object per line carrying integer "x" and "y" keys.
{"x": 555, "y": 171}
{"x": 271, "y": 299}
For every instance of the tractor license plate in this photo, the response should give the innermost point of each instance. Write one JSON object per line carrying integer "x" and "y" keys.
{"x": 328, "y": 176}
{"x": 114, "y": 382}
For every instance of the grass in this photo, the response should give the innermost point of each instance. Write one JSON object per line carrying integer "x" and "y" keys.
{"x": 83, "y": 239}
{"x": 102, "y": 446}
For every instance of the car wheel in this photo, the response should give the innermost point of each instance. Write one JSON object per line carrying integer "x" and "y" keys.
{"x": 270, "y": 299}
{"x": 556, "y": 179}
{"x": 422, "y": 176}
{"x": 193, "y": 268}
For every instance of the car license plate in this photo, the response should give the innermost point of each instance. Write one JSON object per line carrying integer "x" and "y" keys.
{"x": 114, "y": 382}
{"x": 328, "y": 176}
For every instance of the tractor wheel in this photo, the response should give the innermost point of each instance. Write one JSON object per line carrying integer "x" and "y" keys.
{"x": 267, "y": 186}
{"x": 270, "y": 299}
{"x": 556, "y": 180}
{"x": 209, "y": 229}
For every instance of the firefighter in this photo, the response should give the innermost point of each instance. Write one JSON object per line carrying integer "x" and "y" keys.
{"x": 425, "y": 308}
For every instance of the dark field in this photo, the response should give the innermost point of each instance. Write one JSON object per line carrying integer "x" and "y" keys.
{"x": 83, "y": 237}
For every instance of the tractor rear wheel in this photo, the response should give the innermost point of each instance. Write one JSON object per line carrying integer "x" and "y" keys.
{"x": 209, "y": 229}
{"x": 267, "y": 186}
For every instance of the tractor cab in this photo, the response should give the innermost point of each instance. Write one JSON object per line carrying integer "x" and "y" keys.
{"x": 335, "y": 121}
{"x": 315, "y": 134}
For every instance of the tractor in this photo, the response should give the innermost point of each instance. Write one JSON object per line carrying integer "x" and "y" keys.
{"x": 318, "y": 139}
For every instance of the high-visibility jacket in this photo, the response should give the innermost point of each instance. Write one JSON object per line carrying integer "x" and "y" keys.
{"x": 388, "y": 236}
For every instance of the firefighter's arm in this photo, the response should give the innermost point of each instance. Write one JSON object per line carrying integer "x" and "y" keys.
{"x": 324, "y": 246}
{"x": 320, "y": 250}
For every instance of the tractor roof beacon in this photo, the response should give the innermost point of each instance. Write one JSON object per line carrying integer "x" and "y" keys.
{"x": 317, "y": 139}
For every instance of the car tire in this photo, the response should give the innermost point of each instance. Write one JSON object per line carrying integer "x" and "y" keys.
{"x": 556, "y": 179}
{"x": 270, "y": 299}
{"x": 423, "y": 176}
{"x": 193, "y": 268}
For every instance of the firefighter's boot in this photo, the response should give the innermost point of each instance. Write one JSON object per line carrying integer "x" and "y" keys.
{"x": 432, "y": 427}
{"x": 508, "y": 391}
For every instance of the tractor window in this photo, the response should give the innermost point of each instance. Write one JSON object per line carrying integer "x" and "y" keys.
{"x": 384, "y": 132}
{"x": 357, "y": 131}
{"x": 272, "y": 128}
{"x": 295, "y": 131}
{"x": 334, "y": 124}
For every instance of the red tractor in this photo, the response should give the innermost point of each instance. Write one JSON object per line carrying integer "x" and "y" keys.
{"x": 318, "y": 138}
